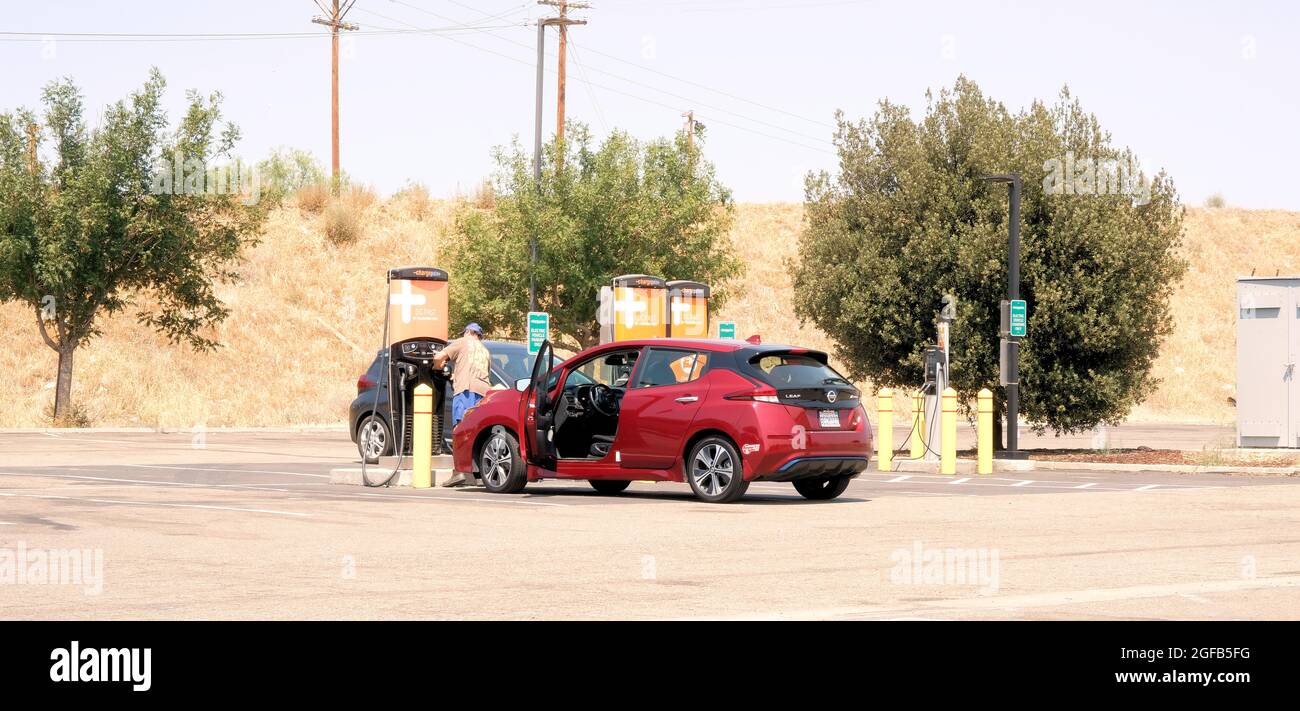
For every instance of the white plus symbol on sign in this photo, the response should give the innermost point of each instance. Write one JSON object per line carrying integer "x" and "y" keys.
{"x": 406, "y": 300}
{"x": 680, "y": 308}
{"x": 629, "y": 306}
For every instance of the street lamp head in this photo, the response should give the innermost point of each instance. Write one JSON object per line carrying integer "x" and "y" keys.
{"x": 1002, "y": 178}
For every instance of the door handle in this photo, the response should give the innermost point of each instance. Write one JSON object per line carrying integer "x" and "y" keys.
{"x": 687, "y": 398}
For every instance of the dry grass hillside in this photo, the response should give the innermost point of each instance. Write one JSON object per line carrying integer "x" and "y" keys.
{"x": 304, "y": 320}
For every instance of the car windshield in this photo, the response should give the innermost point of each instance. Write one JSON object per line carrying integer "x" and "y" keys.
{"x": 795, "y": 370}
{"x": 511, "y": 359}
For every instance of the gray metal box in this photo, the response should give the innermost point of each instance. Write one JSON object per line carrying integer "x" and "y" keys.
{"x": 1268, "y": 346}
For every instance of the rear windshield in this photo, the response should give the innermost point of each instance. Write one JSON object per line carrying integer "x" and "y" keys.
{"x": 794, "y": 370}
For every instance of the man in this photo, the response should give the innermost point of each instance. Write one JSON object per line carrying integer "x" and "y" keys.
{"x": 469, "y": 377}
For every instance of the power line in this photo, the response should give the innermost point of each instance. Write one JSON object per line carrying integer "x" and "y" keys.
{"x": 573, "y": 48}
{"x": 230, "y": 36}
{"x": 710, "y": 118}
{"x": 630, "y": 80}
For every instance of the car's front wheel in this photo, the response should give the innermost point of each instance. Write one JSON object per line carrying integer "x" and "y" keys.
{"x": 500, "y": 465}
{"x": 822, "y": 489}
{"x": 714, "y": 472}
{"x": 374, "y": 439}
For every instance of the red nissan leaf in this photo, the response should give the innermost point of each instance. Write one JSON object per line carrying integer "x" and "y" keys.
{"x": 716, "y": 414}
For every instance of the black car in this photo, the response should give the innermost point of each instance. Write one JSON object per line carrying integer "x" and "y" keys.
{"x": 373, "y": 433}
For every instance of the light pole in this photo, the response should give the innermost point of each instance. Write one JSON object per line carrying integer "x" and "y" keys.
{"x": 1012, "y": 351}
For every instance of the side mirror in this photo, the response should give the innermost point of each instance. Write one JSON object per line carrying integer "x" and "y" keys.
{"x": 522, "y": 384}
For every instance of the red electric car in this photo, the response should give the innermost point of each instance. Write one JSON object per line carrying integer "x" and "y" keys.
{"x": 716, "y": 414}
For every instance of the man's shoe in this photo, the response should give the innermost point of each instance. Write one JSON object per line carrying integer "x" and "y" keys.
{"x": 457, "y": 479}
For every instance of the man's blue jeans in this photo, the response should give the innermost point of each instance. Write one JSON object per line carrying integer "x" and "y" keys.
{"x": 461, "y": 402}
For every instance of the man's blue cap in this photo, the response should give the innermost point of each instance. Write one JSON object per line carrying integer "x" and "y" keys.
{"x": 475, "y": 328}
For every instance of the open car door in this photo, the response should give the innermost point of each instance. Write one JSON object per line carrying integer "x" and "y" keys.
{"x": 540, "y": 410}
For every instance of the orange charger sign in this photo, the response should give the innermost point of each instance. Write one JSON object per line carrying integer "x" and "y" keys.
{"x": 417, "y": 304}
{"x": 638, "y": 307}
{"x": 688, "y": 309}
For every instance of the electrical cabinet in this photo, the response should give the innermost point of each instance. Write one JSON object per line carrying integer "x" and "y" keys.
{"x": 1268, "y": 347}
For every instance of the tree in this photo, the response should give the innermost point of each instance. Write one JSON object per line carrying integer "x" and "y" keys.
{"x": 123, "y": 211}
{"x": 286, "y": 171}
{"x": 908, "y": 220}
{"x": 624, "y": 207}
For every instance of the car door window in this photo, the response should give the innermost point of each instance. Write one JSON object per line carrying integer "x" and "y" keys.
{"x": 612, "y": 369}
{"x": 670, "y": 367}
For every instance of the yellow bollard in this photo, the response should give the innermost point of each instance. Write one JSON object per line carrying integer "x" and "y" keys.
{"x": 948, "y": 437}
{"x": 885, "y": 429}
{"x": 422, "y": 442}
{"x": 984, "y": 425}
{"x": 918, "y": 425}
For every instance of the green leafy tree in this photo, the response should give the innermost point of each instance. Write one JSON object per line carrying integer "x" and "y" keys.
{"x": 908, "y": 219}
{"x": 624, "y": 207}
{"x": 286, "y": 171}
{"x": 124, "y": 214}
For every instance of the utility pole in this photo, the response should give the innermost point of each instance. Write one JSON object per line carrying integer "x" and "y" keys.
{"x": 690, "y": 129}
{"x": 33, "y": 136}
{"x": 1011, "y": 342}
{"x": 334, "y": 21}
{"x": 562, "y": 21}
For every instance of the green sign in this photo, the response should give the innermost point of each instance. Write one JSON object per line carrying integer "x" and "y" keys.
{"x": 726, "y": 329}
{"x": 1019, "y": 318}
{"x": 539, "y": 329}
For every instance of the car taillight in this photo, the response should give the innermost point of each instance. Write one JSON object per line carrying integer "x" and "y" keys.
{"x": 760, "y": 393}
{"x": 364, "y": 383}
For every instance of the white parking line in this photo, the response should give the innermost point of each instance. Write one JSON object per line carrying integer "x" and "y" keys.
{"x": 962, "y": 480}
{"x": 1089, "y": 485}
{"x": 236, "y": 471}
{"x": 155, "y": 503}
{"x": 1026, "y": 482}
{"x": 896, "y": 479}
{"x": 1148, "y": 487}
{"x": 159, "y": 483}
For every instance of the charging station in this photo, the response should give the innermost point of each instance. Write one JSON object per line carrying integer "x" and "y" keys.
{"x": 688, "y": 309}
{"x": 415, "y": 331}
{"x": 631, "y": 308}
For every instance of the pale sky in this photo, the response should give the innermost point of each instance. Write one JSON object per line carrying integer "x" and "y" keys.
{"x": 1208, "y": 91}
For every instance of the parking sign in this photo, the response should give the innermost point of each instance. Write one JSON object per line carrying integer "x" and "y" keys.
{"x": 539, "y": 330}
{"x": 1019, "y": 318}
{"x": 726, "y": 329}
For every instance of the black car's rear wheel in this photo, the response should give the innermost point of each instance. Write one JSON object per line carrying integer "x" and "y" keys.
{"x": 500, "y": 465}
{"x": 374, "y": 439}
{"x": 714, "y": 472}
{"x": 607, "y": 486}
{"x": 822, "y": 489}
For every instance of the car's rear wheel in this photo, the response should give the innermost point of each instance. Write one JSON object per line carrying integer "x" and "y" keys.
{"x": 374, "y": 439}
{"x": 822, "y": 489}
{"x": 607, "y": 486}
{"x": 500, "y": 465}
{"x": 714, "y": 472}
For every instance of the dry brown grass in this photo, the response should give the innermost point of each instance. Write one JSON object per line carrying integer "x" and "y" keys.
{"x": 312, "y": 198}
{"x": 305, "y": 321}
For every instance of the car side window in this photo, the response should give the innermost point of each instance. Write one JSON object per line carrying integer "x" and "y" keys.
{"x": 610, "y": 369}
{"x": 670, "y": 367}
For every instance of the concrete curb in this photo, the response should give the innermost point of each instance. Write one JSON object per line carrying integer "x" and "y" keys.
{"x": 1171, "y": 468}
{"x": 964, "y": 466}
{"x": 968, "y": 466}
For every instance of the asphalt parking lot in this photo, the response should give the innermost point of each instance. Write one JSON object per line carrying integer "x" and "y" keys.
{"x": 246, "y": 525}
